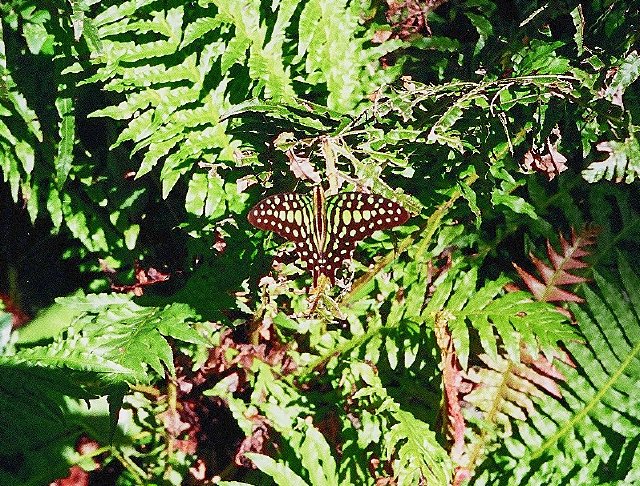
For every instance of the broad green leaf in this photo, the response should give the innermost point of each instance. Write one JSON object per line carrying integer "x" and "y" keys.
{"x": 626, "y": 74}
{"x": 280, "y": 473}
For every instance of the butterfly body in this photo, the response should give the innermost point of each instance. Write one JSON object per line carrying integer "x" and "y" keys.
{"x": 326, "y": 230}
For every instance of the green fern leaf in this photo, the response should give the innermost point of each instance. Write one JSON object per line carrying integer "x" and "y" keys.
{"x": 625, "y": 74}
{"x": 198, "y": 28}
{"x": 135, "y": 344}
{"x": 17, "y": 154}
{"x": 64, "y": 158}
{"x": 622, "y": 161}
{"x": 279, "y": 472}
{"x": 513, "y": 316}
{"x": 420, "y": 457}
{"x": 590, "y": 437}
{"x": 317, "y": 459}
{"x": 335, "y": 55}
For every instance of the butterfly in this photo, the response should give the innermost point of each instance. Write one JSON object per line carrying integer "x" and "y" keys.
{"x": 326, "y": 230}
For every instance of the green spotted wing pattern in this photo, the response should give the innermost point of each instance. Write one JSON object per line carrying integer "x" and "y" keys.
{"x": 326, "y": 231}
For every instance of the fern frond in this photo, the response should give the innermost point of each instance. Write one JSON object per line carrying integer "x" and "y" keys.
{"x": 136, "y": 339}
{"x": 503, "y": 392}
{"x": 548, "y": 290}
{"x": 338, "y": 58}
{"x": 513, "y": 317}
{"x": 18, "y": 136}
{"x": 420, "y": 458}
{"x": 621, "y": 160}
{"x": 589, "y": 437}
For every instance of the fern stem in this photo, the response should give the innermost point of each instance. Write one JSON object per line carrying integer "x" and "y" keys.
{"x": 172, "y": 403}
{"x": 137, "y": 474}
{"x": 491, "y": 418}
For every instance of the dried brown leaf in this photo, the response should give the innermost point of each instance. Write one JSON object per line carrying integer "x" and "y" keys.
{"x": 302, "y": 168}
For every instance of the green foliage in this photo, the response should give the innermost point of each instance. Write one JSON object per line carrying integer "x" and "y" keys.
{"x": 183, "y": 74}
{"x": 107, "y": 342}
{"x": 515, "y": 318}
{"x": 308, "y": 458}
{"x": 134, "y": 347}
{"x": 141, "y": 132}
{"x": 590, "y": 436}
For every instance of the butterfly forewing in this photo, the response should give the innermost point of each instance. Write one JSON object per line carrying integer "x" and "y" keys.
{"x": 291, "y": 216}
{"x": 352, "y": 217}
{"x": 288, "y": 214}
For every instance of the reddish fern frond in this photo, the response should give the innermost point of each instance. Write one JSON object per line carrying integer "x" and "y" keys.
{"x": 548, "y": 288}
{"x": 500, "y": 391}
{"x": 452, "y": 379}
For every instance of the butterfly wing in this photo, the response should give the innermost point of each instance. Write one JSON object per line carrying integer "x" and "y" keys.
{"x": 287, "y": 214}
{"x": 352, "y": 217}
{"x": 290, "y": 215}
